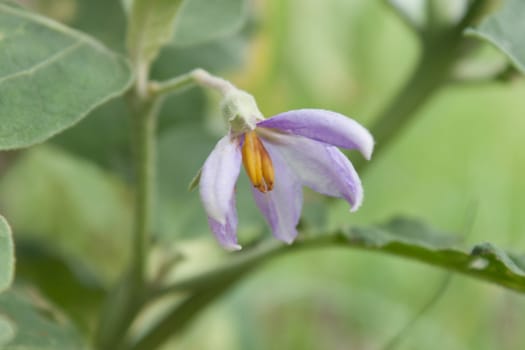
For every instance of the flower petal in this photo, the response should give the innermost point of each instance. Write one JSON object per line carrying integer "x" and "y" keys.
{"x": 281, "y": 206}
{"x": 226, "y": 233}
{"x": 218, "y": 177}
{"x": 325, "y": 126}
{"x": 321, "y": 167}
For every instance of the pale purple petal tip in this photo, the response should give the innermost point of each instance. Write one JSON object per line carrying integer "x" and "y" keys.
{"x": 282, "y": 206}
{"x": 325, "y": 126}
{"x": 218, "y": 178}
{"x": 226, "y": 233}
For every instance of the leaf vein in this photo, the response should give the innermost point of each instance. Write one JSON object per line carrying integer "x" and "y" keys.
{"x": 47, "y": 62}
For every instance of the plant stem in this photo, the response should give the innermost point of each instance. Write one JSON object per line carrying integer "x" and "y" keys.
{"x": 126, "y": 300}
{"x": 440, "y": 52}
{"x": 145, "y": 118}
{"x": 431, "y": 73}
{"x": 195, "y": 77}
{"x": 173, "y": 85}
{"x": 204, "y": 288}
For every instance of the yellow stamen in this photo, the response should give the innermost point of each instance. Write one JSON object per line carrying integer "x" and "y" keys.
{"x": 267, "y": 167}
{"x": 257, "y": 162}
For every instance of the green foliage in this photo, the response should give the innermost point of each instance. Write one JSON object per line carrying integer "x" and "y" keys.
{"x": 415, "y": 240}
{"x": 71, "y": 203}
{"x": 62, "y": 279}
{"x": 28, "y": 322}
{"x": 400, "y": 236}
{"x": 50, "y": 77}
{"x": 152, "y": 24}
{"x": 200, "y": 21}
{"x": 427, "y": 16}
{"x": 150, "y": 28}
{"x": 7, "y": 255}
{"x": 84, "y": 206}
{"x": 109, "y": 121}
{"x": 102, "y": 19}
{"x": 504, "y": 29}
{"x": 403, "y": 237}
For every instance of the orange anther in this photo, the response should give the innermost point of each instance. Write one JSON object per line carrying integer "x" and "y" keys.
{"x": 257, "y": 162}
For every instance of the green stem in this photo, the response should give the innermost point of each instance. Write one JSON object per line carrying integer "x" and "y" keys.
{"x": 145, "y": 117}
{"x": 206, "y": 287}
{"x": 195, "y": 77}
{"x": 173, "y": 85}
{"x": 432, "y": 73}
{"x": 126, "y": 300}
{"x": 440, "y": 52}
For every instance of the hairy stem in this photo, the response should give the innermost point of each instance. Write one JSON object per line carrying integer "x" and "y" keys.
{"x": 129, "y": 296}
{"x": 145, "y": 118}
{"x": 126, "y": 300}
{"x": 195, "y": 77}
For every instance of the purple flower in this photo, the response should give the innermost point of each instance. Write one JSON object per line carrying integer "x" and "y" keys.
{"x": 281, "y": 155}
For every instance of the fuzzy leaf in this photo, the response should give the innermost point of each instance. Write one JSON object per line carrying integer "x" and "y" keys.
{"x": 414, "y": 240}
{"x": 77, "y": 207}
{"x": 150, "y": 28}
{"x": 28, "y": 322}
{"x": 200, "y": 21}
{"x": 7, "y": 255}
{"x": 62, "y": 279}
{"x": 504, "y": 29}
{"x": 50, "y": 77}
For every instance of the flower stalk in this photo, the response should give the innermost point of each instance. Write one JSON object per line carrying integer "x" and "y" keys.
{"x": 195, "y": 77}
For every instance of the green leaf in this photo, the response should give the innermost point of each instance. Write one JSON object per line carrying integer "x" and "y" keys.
{"x": 155, "y": 23}
{"x": 62, "y": 279}
{"x": 150, "y": 27}
{"x": 50, "y": 77}
{"x": 429, "y": 15}
{"x": 214, "y": 56}
{"x": 401, "y": 237}
{"x": 86, "y": 212}
{"x": 504, "y": 29}
{"x": 7, "y": 331}
{"x": 103, "y": 19}
{"x": 414, "y": 240}
{"x": 200, "y": 21}
{"x": 412, "y": 12}
{"x": 7, "y": 255}
{"x": 28, "y": 322}
{"x": 111, "y": 125}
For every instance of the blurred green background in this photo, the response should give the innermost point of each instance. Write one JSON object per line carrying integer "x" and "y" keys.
{"x": 459, "y": 166}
